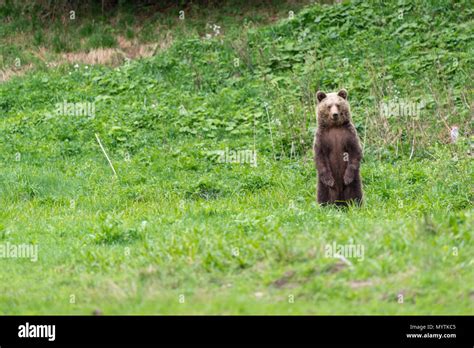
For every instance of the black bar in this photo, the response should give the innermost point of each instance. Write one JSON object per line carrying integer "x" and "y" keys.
{"x": 288, "y": 330}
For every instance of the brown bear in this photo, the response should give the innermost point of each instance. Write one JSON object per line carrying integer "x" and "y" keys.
{"x": 337, "y": 151}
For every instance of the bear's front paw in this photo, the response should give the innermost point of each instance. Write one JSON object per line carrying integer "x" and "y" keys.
{"x": 327, "y": 180}
{"x": 348, "y": 177}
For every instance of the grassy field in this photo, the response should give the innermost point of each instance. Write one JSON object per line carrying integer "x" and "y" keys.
{"x": 43, "y": 34}
{"x": 182, "y": 229}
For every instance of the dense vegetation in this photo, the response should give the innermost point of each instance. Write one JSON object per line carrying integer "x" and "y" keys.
{"x": 237, "y": 237}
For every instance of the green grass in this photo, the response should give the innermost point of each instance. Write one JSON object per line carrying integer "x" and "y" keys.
{"x": 233, "y": 238}
{"x": 29, "y": 28}
{"x": 135, "y": 244}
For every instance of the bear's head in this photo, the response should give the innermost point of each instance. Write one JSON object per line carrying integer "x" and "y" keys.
{"x": 333, "y": 109}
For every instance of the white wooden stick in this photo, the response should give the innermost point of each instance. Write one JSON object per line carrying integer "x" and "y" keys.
{"x": 105, "y": 153}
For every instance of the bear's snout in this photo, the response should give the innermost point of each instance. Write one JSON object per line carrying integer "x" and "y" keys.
{"x": 335, "y": 116}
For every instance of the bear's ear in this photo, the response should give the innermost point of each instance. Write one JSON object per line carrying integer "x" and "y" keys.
{"x": 320, "y": 96}
{"x": 342, "y": 93}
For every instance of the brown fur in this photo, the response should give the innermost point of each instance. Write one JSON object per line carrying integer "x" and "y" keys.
{"x": 337, "y": 151}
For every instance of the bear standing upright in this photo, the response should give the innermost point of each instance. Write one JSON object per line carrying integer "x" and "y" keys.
{"x": 337, "y": 151}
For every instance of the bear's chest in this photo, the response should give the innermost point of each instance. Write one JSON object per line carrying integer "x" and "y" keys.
{"x": 336, "y": 149}
{"x": 335, "y": 140}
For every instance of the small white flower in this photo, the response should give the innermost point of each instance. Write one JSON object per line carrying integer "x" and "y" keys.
{"x": 454, "y": 133}
{"x": 259, "y": 294}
